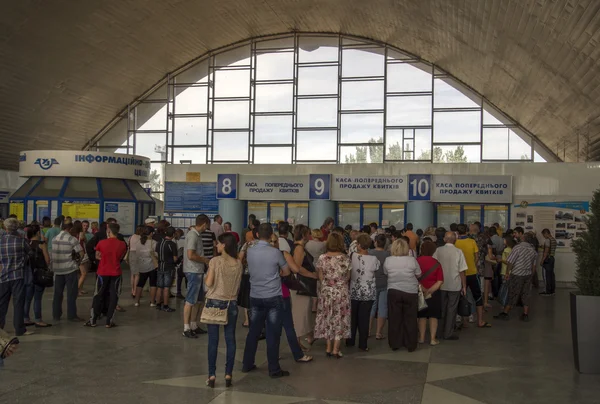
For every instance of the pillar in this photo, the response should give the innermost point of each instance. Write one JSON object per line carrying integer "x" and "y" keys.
{"x": 318, "y": 211}
{"x": 232, "y": 211}
{"x": 420, "y": 214}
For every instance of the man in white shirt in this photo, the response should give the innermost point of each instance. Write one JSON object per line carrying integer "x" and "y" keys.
{"x": 454, "y": 266}
{"x": 285, "y": 244}
{"x": 66, "y": 255}
{"x": 217, "y": 226}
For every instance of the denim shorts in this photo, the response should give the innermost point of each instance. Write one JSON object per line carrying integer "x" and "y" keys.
{"x": 164, "y": 279}
{"x": 380, "y": 306}
{"x": 195, "y": 287}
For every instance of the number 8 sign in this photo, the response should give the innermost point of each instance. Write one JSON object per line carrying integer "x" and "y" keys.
{"x": 320, "y": 185}
{"x": 227, "y": 186}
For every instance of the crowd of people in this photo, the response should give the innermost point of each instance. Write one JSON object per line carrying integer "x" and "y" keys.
{"x": 341, "y": 285}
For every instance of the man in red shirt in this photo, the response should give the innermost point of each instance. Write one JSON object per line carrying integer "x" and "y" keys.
{"x": 227, "y": 228}
{"x": 109, "y": 253}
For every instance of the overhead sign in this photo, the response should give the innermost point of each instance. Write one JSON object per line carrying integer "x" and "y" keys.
{"x": 273, "y": 187}
{"x": 197, "y": 197}
{"x": 419, "y": 187}
{"x": 227, "y": 186}
{"x": 320, "y": 186}
{"x": 368, "y": 188}
{"x": 66, "y": 163}
{"x": 472, "y": 188}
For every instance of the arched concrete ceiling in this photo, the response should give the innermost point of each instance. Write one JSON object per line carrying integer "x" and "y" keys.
{"x": 68, "y": 67}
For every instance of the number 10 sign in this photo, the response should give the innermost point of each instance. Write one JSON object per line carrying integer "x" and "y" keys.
{"x": 419, "y": 187}
{"x": 320, "y": 185}
{"x": 227, "y": 186}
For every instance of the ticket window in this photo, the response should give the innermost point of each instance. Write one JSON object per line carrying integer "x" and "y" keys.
{"x": 496, "y": 214}
{"x": 370, "y": 213}
{"x": 349, "y": 214}
{"x": 297, "y": 213}
{"x": 448, "y": 214}
{"x": 276, "y": 212}
{"x": 472, "y": 214}
{"x": 258, "y": 209}
{"x": 392, "y": 215}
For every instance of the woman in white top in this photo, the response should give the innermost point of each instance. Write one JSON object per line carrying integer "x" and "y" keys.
{"x": 146, "y": 263}
{"x": 362, "y": 291}
{"x": 132, "y": 259}
{"x": 403, "y": 287}
{"x": 315, "y": 246}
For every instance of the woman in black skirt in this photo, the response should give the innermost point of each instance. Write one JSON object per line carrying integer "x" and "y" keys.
{"x": 431, "y": 280}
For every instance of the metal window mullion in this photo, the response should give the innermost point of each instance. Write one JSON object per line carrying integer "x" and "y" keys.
{"x": 339, "y": 102}
{"x": 170, "y": 106}
{"x": 432, "y": 104}
{"x": 127, "y": 130}
{"x": 252, "y": 103}
{"x": 211, "y": 79}
{"x": 385, "y": 78}
{"x": 295, "y": 100}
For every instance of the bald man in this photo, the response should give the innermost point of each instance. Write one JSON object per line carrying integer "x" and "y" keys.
{"x": 454, "y": 266}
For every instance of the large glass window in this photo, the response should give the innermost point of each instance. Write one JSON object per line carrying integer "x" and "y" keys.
{"x": 297, "y": 213}
{"x": 268, "y": 91}
{"x": 448, "y": 214}
{"x": 392, "y": 215}
{"x": 349, "y": 214}
{"x": 258, "y": 209}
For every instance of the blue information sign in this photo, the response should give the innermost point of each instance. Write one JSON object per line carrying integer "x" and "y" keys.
{"x": 320, "y": 186}
{"x": 419, "y": 187}
{"x": 191, "y": 197}
{"x": 227, "y": 186}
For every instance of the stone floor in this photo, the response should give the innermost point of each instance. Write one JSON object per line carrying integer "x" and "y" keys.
{"x": 146, "y": 360}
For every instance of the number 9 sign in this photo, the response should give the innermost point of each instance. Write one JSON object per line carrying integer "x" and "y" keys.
{"x": 227, "y": 186}
{"x": 320, "y": 185}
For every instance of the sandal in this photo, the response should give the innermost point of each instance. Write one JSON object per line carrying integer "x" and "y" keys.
{"x": 485, "y": 325}
{"x": 89, "y": 324}
{"x": 228, "y": 381}
{"x": 379, "y": 337}
{"x": 338, "y": 355}
{"x": 111, "y": 325}
{"x": 42, "y": 325}
{"x": 29, "y": 323}
{"x": 305, "y": 359}
{"x": 211, "y": 382}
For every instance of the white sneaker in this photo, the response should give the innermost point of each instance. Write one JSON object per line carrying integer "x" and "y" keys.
{"x": 471, "y": 319}
{"x": 137, "y": 304}
{"x": 458, "y": 319}
{"x": 152, "y": 304}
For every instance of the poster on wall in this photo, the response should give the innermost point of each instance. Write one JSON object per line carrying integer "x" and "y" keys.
{"x": 124, "y": 212}
{"x": 17, "y": 208}
{"x": 83, "y": 210}
{"x": 565, "y": 220}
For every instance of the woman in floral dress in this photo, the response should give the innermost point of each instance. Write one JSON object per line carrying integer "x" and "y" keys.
{"x": 333, "y": 314}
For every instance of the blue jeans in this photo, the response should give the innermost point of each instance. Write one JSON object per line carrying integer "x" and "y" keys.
{"x": 290, "y": 332}
{"x": 380, "y": 307}
{"x": 548, "y": 274}
{"x": 271, "y": 311}
{"x": 70, "y": 282}
{"x": 213, "y": 337}
{"x": 35, "y": 293}
{"x": 16, "y": 290}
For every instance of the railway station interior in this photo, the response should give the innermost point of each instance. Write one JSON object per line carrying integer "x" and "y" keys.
{"x": 390, "y": 135}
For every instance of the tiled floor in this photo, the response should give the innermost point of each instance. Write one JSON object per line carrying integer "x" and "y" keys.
{"x": 146, "y": 360}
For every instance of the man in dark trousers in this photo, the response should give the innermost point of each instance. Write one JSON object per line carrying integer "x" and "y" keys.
{"x": 109, "y": 252}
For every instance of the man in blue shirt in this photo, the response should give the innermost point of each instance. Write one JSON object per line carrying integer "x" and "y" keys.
{"x": 266, "y": 265}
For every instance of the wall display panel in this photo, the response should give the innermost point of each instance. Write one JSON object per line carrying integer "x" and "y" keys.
{"x": 368, "y": 188}
{"x": 124, "y": 212}
{"x": 191, "y": 197}
{"x": 81, "y": 210}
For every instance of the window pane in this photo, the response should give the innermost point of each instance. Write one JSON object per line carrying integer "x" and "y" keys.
{"x": 456, "y": 154}
{"x": 491, "y": 116}
{"x": 82, "y": 188}
{"x": 349, "y": 214}
{"x": 370, "y": 214}
{"x": 495, "y": 214}
{"x": 318, "y": 49}
{"x": 518, "y": 148}
{"x": 317, "y": 80}
{"x": 317, "y": 113}
{"x": 392, "y": 215}
{"x": 360, "y": 128}
{"x": 456, "y": 127}
{"x": 272, "y": 155}
{"x": 317, "y": 145}
{"x": 151, "y": 116}
{"x": 230, "y": 146}
{"x": 449, "y": 93}
{"x": 537, "y": 158}
{"x": 408, "y": 77}
{"x": 274, "y": 98}
{"x": 49, "y": 187}
{"x": 190, "y": 131}
{"x": 195, "y": 74}
{"x": 361, "y": 154}
{"x": 116, "y": 136}
{"x": 362, "y": 95}
{"x": 191, "y": 100}
{"x": 410, "y": 110}
{"x": 275, "y": 66}
{"x": 279, "y": 43}
{"x": 297, "y": 213}
{"x": 395, "y": 145}
{"x": 258, "y": 209}
{"x": 363, "y": 62}
{"x": 235, "y": 57}
{"x": 137, "y": 191}
{"x": 448, "y": 214}
{"x": 115, "y": 189}
{"x": 273, "y": 129}
{"x": 231, "y": 114}
{"x": 277, "y": 212}
{"x": 196, "y": 154}
{"x": 25, "y": 188}
{"x": 157, "y": 178}
{"x": 151, "y": 145}
{"x": 232, "y": 83}
{"x": 472, "y": 214}
{"x": 422, "y": 144}
{"x": 495, "y": 143}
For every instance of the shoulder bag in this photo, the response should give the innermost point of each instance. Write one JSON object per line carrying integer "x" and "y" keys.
{"x": 215, "y": 315}
{"x": 307, "y": 286}
{"x": 421, "y": 299}
{"x": 41, "y": 276}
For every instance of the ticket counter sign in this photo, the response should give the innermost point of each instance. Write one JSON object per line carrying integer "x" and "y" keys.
{"x": 273, "y": 187}
{"x": 369, "y": 188}
{"x": 472, "y": 188}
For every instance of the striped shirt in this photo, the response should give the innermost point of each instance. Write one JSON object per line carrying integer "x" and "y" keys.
{"x": 208, "y": 243}
{"x": 13, "y": 253}
{"x": 523, "y": 256}
{"x": 550, "y": 244}
{"x": 63, "y": 247}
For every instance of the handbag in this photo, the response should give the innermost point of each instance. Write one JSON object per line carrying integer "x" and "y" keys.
{"x": 308, "y": 286}
{"x": 215, "y": 315}
{"x": 43, "y": 277}
{"x": 421, "y": 300}
{"x": 464, "y": 307}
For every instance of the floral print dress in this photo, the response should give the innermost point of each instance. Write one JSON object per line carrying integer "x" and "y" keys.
{"x": 333, "y": 314}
